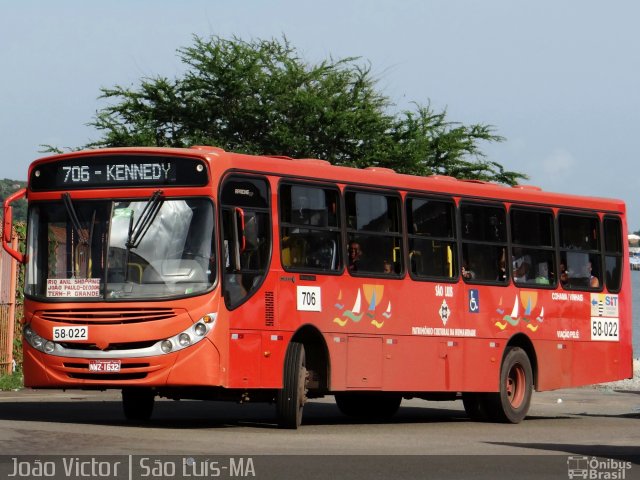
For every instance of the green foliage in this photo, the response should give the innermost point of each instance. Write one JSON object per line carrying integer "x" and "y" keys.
{"x": 14, "y": 381}
{"x": 260, "y": 97}
{"x": 7, "y": 187}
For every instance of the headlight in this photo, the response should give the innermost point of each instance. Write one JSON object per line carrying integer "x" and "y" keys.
{"x": 166, "y": 346}
{"x": 37, "y": 342}
{"x": 192, "y": 335}
{"x": 184, "y": 340}
{"x": 200, "y": 329}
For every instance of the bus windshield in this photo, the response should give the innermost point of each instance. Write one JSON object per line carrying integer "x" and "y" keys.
{"x": 123, "y": 249}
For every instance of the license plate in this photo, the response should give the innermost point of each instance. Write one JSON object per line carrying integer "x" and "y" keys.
{"x": 70, "y": 334}
{"x": 104, "y": 366}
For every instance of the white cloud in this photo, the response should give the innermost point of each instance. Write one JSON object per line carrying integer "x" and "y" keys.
{"x": 559, "y": 163}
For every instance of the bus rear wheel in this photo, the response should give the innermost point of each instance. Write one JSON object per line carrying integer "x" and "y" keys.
{"x": 137, "y": 403}
{"x": 511, "y": 403}
{"x": 291, "y": 399}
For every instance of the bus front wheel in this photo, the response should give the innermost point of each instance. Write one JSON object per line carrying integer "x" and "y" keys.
{"x": 511, "y": 403}
{"x": 291, "y": 399}
{"x": 137, "y": 403}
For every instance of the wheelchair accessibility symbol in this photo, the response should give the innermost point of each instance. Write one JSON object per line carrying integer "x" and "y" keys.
{"x": 474, "y": 301}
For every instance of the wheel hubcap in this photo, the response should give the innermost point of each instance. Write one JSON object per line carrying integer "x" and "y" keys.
{"x": 516, "y": 386}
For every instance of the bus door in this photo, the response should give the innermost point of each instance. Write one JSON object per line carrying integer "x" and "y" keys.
{"x": 246, "y": 252}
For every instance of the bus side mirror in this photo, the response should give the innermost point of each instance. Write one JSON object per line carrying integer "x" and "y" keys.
{"x": 7, "y": 227}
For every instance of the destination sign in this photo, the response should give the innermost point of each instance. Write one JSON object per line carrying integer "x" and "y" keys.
{"x": 119, "y": 171}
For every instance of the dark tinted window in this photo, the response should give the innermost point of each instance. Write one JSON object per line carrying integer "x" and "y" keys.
{"x": 613, "y": 253}
{"x": 432, "y": 242}
{"x": 580, "y": 257}
{"x": 374, "y": 233}
{"x": 532, "y": 254}
{"x": 484, "y": 243}
{"x": 310, "y": 233}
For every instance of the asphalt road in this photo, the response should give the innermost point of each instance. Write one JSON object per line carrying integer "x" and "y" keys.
{"x": 424, "y": 440}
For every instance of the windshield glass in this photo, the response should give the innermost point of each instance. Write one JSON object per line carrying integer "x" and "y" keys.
{"x": 136, "y": 249}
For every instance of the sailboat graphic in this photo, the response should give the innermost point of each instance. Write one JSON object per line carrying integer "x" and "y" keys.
{"x": 339, "y": 305}
{"x": 529, "y": 300}
{"x": 387, "y": 313}
{"x": 539, "y": 318}
{"x": 513, "y": 318}
{"x": 372, "y": 305}
{"x": 354, "y": 314}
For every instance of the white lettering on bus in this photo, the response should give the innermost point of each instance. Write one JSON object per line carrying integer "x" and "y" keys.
{"x": 574, "y": 297}
{"x": 139, "y": 171}
{"x": 444, "y": 332}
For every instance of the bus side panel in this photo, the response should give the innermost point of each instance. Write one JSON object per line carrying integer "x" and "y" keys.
{"x": 245, "y": 357}
{"x": 415, "y": 364}
{"x": 481, "y": 368}
{"x": 274, "y": 345}
{"x": 597, "y": 362}
{"x": 555, "y": 364}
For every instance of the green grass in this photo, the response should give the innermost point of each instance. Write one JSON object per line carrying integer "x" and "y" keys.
{"x": 11, "y": 382}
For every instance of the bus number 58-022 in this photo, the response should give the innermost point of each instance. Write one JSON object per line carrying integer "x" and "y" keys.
{"x": 605, "y": 329}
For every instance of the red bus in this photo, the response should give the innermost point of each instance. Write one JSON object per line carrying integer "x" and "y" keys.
{"x": 202, "y": 274}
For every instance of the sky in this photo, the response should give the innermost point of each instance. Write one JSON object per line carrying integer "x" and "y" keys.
{"x": 559, "y": 79}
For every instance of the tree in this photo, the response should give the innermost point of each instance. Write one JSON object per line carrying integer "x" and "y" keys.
{"x": 260, "y": 97}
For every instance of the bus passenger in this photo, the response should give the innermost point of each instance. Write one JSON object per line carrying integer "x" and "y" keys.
{"x": 521, "y": 265}
{"x": 564, "y": 273}
{"x": 387, "y": 267}
{"x": 467, "y": 273}
{"x": 594, "y": 282}
{"x": 542, "y": 276}
{"x": 355, "y": 253}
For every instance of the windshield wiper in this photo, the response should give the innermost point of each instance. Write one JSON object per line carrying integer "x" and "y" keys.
{"x": 142, "y": 225}
{"x": 139, "y": 230}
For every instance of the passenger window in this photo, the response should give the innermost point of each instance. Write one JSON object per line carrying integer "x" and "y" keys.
{"x": 484, "y": 243}
{"x": 613, "y": 253}
{"x": 374, "y": 233}
{"x": 533, "y": 247}
{"x": 580, "y": 257}
{"x": 432, "y": 238}
{"x": 310, "y": 228}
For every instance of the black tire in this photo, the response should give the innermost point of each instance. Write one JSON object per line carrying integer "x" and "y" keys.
{"x": 376, "y": 405}
{"x": 291, "y": 399}
{"x": 511, "y": 403}
{"x": 137, "y": 403}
